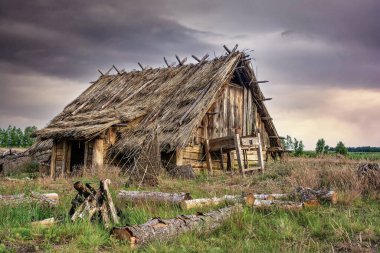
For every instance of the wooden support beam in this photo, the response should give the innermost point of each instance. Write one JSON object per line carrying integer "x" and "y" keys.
{"x": 221, "y": 160}
{"x": 52, "y": 159}
{"x": 239, "y": 153}
{"x": 141, "y": 66}
{"x": 235, "y": 48}
{"x": 179, "y": 157}
{"x": 230, "y": 161}
{"x": 64, "y": 152}
{"x": 196, "y": 58}
{"x": 113, "y": 66}
{"x": 227, "y": 49}
{"x": 108, "y": 71}
{"x": 101, "y": 73}
{"x": 208, "y": 156}
{"x": 260, "y": 154}
{"x": 181, "y": 62}
{"x": 276, "y": 137}
{"x": 204, "y": 57}
{"x": 265, "y": 99}
{"x": 256, "y": 82}
{"x": 166, "y": 62}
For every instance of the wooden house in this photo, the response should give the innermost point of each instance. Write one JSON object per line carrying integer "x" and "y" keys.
{"x": 187, "y": 106}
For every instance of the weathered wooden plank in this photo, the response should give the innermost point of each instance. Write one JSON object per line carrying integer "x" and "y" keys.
{"x": 179, "y": 157}
{"x": 260, "y": 154}
{"x": 97, "y": 153}
{"x": 52, "y": 160}
{"x": 208, "y": 156}
{"x": 239, "y": 153}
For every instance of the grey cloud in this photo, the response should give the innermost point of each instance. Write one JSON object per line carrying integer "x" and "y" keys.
{"x": 70, "y": 38}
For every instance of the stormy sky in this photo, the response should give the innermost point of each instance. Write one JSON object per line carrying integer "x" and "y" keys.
{"x": 322, "y": 57}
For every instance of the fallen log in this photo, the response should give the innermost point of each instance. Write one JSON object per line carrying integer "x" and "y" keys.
{"x": 271, "y": 196}
{"x": 153, "y": 197}
{"x": 165, "y": 229}
{"x": 226, "y": 199}
{"x": 44, "y": 223}
{"x": 308, "y": 194}
{"x": 50, "y": 199}
{"x": 288, "y": 205}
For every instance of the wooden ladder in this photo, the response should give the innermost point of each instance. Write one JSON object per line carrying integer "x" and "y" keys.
{"x": 244, "y": 144}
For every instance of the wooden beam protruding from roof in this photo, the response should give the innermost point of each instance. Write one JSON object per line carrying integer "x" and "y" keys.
{"x": 265, "y": 99}
{"x": 201, "y": 60}
{"x": 230, "y": 51}
{"x": 113, "y": 66}
{"x": 276, "y": 137}
{"x": 166, "y": 62}
{"x": 101, "y": 73}
{"x": 266, "y": 118}
{"x": 196, "y": 58}
{"x": 260, "y": 82}
{"x": 141, "y": 66}
{"x": 181, "y": 62}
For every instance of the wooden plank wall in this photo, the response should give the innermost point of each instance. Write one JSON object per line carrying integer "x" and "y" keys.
{"x": 234, "y": 112}
{"x": 58, "y": 158}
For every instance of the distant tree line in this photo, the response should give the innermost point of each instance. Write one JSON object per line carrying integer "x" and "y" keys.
{"x": 15, "y": 137}
{"x": 363, "y": 149}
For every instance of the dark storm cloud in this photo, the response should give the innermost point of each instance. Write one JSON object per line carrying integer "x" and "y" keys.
{"x": 73, "y": 38}
{"x": 321, "y": 56}
{"x": 341, "y": 42}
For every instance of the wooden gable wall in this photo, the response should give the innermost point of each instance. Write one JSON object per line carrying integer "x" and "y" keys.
{"x": 233, "y": 113}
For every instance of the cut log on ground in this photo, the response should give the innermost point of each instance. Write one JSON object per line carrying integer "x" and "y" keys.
{"x": 227, "y": 199}
{"x": 288, "y": 205}
{"x": 271, "y": 196}
{"x": 44, "y": 223}
{"x": 153, "y": 197}
{"x": 50, "y": 199}
{"x": 166, "y": 229}
{"x": 90, "y": 203}
{"x": 310, "y": 195}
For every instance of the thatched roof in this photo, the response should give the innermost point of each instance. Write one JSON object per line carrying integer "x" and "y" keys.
{"x": 172, "y": 99}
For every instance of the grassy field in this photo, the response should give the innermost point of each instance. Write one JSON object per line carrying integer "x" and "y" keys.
{"x": 353, "y": 225}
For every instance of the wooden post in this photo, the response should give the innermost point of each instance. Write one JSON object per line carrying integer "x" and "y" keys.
{"x": 52, "y": 160}
{"x": 97, "y": 153}
{"x": 230, "y": 161}
{"x": 239, "y": 154}
{"x": 221, "y": 160}
{"x": 178, "y": 157}
{"x": 85, "y": 154}
{"x": 208, "y": 156}
{"x": 68, "y": 158}
{"x": 64, "y": 156}
{"x": 260, "y": 153}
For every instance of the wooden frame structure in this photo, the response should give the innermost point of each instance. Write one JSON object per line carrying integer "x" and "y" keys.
{"x": 238, "y": 144}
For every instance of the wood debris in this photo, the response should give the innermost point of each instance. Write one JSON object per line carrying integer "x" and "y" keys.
{"x": 90, "y": 203}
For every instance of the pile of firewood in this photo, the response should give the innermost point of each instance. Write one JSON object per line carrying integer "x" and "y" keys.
{"x": 94, "y": 204}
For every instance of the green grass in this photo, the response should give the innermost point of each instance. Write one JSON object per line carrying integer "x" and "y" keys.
{"x": 320, "y": 229}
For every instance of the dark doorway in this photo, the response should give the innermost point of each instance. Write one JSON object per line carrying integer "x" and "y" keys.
{"x": 77, "y": 155}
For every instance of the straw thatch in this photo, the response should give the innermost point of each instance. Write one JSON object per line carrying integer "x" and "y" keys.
{"x": 174, "y": 100}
